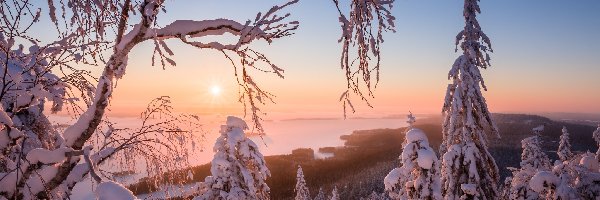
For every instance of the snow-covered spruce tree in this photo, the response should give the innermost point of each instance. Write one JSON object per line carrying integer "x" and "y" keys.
{"x": 375, "y": 196}
{"x": 596, "y": 136}
{"x": 468, "y": 169}
{"x": 587, "y": 177}
{"x": 533, "y": 159}
{"x": 238, "y": 169}
{"x": 564, "y": 147}
{"x": 334, "y": 194}
{"x": 100, "y": 33}
{"x": 320, "y": 195}
{"x": 533, "y": 156}
{"x": 418, "y": 175}
{"x": 302, "y": 192}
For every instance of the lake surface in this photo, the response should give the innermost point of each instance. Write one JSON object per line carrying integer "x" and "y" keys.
{"x": 282, "y": 137}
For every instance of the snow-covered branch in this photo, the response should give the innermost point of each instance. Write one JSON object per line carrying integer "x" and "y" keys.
{"x": 358, "y": 30}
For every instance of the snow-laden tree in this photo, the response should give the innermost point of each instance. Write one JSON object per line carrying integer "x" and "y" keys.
{"x": 238, "y": 169}
{"x": 587, "y": 177}
{"x": 533, "y": 159}
{"x": 564, "y": 147}
{"x": 533, "y": 155}
{"x": 302, "y": 192}
{"x": 320, "y": 195}
{"x": 596, "y": 136}
{"x": 418, "y": 175}
{"x": 375, "y": 196}
{"x": 334, "y": 194}
{"x": 468, "y": 169}
{"x": 53, "y": 68}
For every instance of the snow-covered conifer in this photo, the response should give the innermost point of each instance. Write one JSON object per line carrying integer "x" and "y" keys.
{"x": 533, "y": 159}
{"x": 468, "y": 169}
{"x": 238, "y": 169}
{"x": 334, "y": 194}
{"x": 320, "y": 195}
{"x": 418, "y": 174}
{"x": 564, "y": 147}
{"x": 375, "y": 196}
{"x": 302, "y": 192}
{"x": 596, "y": 136}
{"x": 411, "y": 120}
{"x": 533, "y": 155}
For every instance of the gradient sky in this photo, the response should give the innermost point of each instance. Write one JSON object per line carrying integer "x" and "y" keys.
{"x": 546, "y": 59}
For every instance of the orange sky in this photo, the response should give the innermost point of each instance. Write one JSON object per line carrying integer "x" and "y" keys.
{"x": 538, "y": 65}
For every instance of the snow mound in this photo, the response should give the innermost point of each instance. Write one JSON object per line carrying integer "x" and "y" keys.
{"x": 425, "y": 158}
{"x": 542, "y": 180}
{"x": 588, "y": 161}
{"x": 392, "y": 178}
{"x": 415, "y": 134}
{"x": 236, "y": 122}
{"x": 113, "y": 191}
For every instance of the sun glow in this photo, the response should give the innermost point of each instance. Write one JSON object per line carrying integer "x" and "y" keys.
{"x": 215, "y": 90}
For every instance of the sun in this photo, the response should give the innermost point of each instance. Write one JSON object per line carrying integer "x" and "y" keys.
{"x": 215, "y": 90}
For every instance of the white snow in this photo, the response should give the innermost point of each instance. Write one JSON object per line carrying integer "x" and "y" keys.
{"x": 590, "y": 162}
{"x": 543, "y": 180}
{"x": 425, "y": 158}
{"x": 414, "y": 135}
{"x": 469, "y": 188}
{"x": 4, "y": 118}
{"x": 113, "y": 191}
{"x": 392, "y": 178}
{"x": 236, "y": 122}
{"x": 47, "y": 156}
